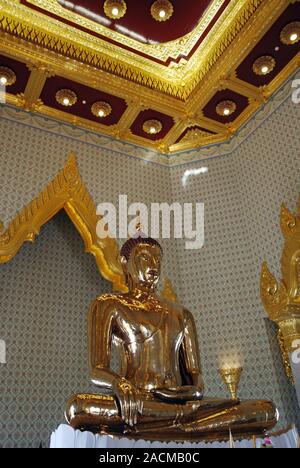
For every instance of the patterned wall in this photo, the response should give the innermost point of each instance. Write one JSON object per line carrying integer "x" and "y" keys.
{"x": 242, "y": 192}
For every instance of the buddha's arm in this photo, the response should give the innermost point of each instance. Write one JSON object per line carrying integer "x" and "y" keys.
{"x": 101, "y": 322}
{"x": 189, "y": 365}
{"x": 101, "y": 319}
{"x": 189, "y": 354}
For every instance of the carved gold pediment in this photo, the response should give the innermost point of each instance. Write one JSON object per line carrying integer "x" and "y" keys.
{"x": 66, "y": 191}
{"x": 282, "y": 299}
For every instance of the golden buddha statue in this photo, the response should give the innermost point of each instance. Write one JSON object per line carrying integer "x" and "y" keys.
{"x": 158, "y": 392}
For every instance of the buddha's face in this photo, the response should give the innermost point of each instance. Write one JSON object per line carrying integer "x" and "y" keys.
{"x": 144, "y": 265}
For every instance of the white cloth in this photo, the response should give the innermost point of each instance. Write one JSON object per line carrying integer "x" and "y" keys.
{"x": 66, "y": 437}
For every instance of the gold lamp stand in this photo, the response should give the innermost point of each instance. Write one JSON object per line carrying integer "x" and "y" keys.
{"x": 232, "y": 377}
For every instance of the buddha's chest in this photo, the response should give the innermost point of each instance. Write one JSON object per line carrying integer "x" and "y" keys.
{"x": 157, "y": 325}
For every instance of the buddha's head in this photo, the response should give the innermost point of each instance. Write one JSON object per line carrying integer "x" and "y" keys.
{"x": 141, "y": 260}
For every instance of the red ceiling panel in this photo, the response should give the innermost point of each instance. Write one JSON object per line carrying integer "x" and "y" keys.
{"x": 268, "y": 45}
{"x": 21, "y": 71}
{"x": 138, "y": 19}
{"x": 226, "y": 95}
{"x": 84, "y": 93}
{"x": 166, "y": 121}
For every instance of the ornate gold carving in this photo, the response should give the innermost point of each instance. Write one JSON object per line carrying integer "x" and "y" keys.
{"x": 162, "y": 10}
{"x": 101, "y": 109}
{"x": 194, "y": 135}
{"x": 226, "y": 108}
{"x": 115, "y": 9}
{"x": 66, "y": 97}
{"x": 282, "y": 300}
{"x": 168, "y": 89}
{"x": 291, "y": 33}
{"x": 285, "y": 357}
{"x": 231, "y": 377}
{"x": 152, "y": 126}
{"x": 7, "y": 76}
{"x": 274, "y": 295}
{"x": 264, "y": 65}
{"x": 67, "y": 192}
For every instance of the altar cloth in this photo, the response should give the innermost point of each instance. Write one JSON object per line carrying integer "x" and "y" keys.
{"x": 66, "y": 437}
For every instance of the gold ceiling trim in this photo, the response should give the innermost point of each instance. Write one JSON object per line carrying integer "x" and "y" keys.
{"x": 68, "y": 192}
{"x": 160, "y": 51}
{"x": 44, "y": 63}
{"x": 282, "y": 299}
{"x": 177, "y": 80}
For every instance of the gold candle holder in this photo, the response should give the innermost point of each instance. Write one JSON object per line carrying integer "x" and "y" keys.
{"x": 231, "y": 378}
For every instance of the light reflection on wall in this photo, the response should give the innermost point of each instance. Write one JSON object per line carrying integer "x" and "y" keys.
{"x": 193, "y": 172}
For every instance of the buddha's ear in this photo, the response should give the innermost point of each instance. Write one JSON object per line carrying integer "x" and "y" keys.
{"x": 124, "y": 263}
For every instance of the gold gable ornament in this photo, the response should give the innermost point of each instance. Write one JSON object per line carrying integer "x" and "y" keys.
{"x": 68, "y": 192}
{"x": 282, "y": 299}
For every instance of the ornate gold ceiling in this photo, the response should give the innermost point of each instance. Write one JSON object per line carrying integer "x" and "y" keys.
{"x": 74, "y": 63}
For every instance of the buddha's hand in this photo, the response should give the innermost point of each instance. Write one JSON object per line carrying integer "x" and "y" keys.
{"x": 129, "y": 400}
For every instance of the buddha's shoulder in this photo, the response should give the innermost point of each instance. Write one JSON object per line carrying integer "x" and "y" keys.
{"x": 108, "y": 297}
{"x": 177, "y": 308}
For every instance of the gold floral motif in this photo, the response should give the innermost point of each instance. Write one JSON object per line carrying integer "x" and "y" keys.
{"x": 264, "y": 65}
{"x": 291, "y": 33}
{"x": 101, "y": 109}
{"x": 152, "y": 127}
{"x": 162, "y": 10}
{"x": 7, "y": 76}
{"x": 226, "y": 108}
{"x": 66, "y": 97}
{"x": 115, "y": 9}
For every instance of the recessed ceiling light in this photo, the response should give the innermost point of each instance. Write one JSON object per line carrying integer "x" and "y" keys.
{"x": 290, "y": 33}
{"x": 101, "y": 109}
{"x": 115, "y": 9}
{"x": 293, "y": 37}
{"x": 83, "y": 102}
{"x": 226, "y": 108}
{"x": 162, "y": 10}
{"x": 277, "y": 49}
{"x": 264, "y": 65}
{"x": 66, "y": 97}
{"x": 152, "y": 127}
{"x": 7, "y": 76}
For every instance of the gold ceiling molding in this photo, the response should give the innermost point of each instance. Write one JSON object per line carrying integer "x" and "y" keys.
{"x": 176, "y": 80}
{"x": 282, "y": 299}
{"x": 145, "y": 86}
{"x": 67, "y": 191}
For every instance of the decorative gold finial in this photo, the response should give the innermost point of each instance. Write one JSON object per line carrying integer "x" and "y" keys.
{"x": 231, "y": 378}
